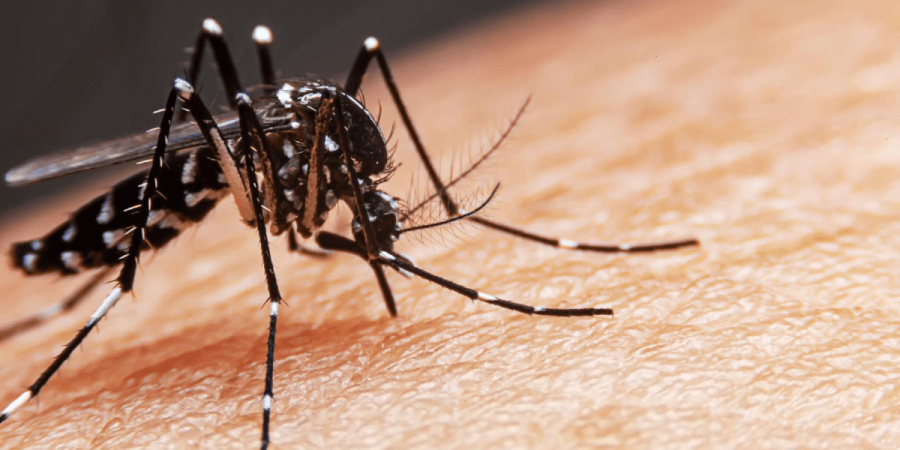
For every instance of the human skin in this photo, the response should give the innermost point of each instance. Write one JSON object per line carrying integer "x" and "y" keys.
{"x": 767, "y": 131}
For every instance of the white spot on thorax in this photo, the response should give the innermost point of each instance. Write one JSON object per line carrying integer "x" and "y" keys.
{"x": 330, "y": 145}
{"x": 308, "y": 98}
{"x": 284, "y": 96}
{"x": 288, "y": 148}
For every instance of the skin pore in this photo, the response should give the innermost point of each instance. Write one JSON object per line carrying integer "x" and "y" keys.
{"x": 768, "y": 133}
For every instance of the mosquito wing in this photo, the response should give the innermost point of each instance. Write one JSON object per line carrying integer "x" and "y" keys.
{"x": 139, "y": 146}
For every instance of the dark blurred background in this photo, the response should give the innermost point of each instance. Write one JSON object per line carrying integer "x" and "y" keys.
{"x": 79, "y": 72}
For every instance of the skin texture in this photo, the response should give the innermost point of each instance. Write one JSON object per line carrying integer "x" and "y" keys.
{"x": 769, "y": 133}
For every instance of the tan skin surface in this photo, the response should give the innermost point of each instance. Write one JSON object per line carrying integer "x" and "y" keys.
{"x": 768, "y": 132}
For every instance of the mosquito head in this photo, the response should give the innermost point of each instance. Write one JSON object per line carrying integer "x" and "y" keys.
{"x": 383, "y": 213}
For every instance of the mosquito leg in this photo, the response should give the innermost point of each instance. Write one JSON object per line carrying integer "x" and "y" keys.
{"x": 400, "y": 263}
{"x": 248, "y": 119}
{"x": 57, "y": 309}
{"x": 587, "y": 246}
{"x": 340, "y": 243}
{"x": 386, "y": 292}
{"x": 262, "y": 36}
{"x": 297, "y": 247}
{"x": 372, "y": 49}
{"x": 247, "y": 195}
{"x": 125, "y": 282}
{"x": 236, "y": 182}
{"x": 211, "y": 31}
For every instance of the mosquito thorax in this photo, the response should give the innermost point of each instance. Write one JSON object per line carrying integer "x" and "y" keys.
{"x": 293, "y": 171}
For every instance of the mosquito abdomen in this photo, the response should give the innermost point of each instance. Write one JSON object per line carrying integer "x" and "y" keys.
{"x": 98, "y": 233}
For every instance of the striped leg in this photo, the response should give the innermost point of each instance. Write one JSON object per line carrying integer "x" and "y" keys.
{"x": 339, "y": 243}
{"x": 372, "y": 49}
{"x": 125, "y": 282}
{"x": 227, "y": 160}
{"x": 400, "y": 263}
{"x": 248, "y": 119}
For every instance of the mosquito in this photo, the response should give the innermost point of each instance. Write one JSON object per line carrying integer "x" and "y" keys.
{"x": 286, "y": 157}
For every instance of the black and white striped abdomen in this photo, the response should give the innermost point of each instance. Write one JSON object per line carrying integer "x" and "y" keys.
{"x": 189, "y": 187}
